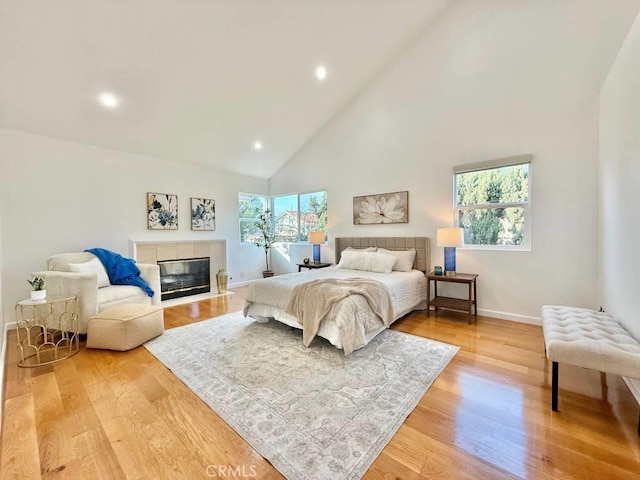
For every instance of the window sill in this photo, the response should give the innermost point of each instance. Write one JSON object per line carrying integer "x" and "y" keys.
{"x": 502, "y": 248}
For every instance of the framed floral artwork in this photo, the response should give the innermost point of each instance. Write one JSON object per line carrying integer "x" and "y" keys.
{"x": 203, "y": 214}
{"x": 162, "y": 211}
{"x": 381, "y": 208}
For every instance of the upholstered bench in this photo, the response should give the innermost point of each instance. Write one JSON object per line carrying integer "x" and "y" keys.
{"x": 124, "y": 327}
{"x": 589, "y": 339}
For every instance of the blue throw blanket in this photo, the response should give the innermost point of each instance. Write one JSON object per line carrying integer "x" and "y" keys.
{"x": 121, "y": 271}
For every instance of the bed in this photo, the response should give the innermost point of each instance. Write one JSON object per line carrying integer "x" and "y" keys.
{"x": 350, "y": 323}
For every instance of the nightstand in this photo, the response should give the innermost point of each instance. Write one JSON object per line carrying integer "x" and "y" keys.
{"x": 469, "y": 305}
{"x": 312, "y": 265}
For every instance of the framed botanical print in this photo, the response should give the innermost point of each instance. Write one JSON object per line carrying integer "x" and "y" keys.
{"x": 381, "y": 208}
{"x": 162, "y": 211}
{"x": 203, "y": 214}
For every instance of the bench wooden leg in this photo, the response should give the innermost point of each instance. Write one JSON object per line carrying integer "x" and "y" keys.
{"x": 554, "y": 387}
{"x": 639, "y": 425}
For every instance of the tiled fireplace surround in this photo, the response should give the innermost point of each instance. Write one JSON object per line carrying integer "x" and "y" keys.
{"x": 148, "y": 251}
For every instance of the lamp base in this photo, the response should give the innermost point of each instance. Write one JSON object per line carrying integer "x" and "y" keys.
{"x": 449, "y": 260}
{"x": 316, "y": 254}
{"x": 450, "y": 274}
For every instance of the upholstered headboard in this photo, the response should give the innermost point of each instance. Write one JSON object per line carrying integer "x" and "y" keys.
{"x": 421, "y": 244}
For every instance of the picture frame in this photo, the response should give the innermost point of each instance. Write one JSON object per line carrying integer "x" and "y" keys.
{"x": 203, "y": 214}
{"x": 162, "y": 211}
{"x": 381, "y": 208}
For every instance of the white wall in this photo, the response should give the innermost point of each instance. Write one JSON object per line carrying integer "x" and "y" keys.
{"x": 620, "y": 185}
{"x": 486, "y": 80}
{"x": 3, "y": 340}
{"x": 2, "y": 322}
{"x": 58, "y": 196}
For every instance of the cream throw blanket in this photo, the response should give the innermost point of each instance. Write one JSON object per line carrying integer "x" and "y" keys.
{"x": 311, "y": 302}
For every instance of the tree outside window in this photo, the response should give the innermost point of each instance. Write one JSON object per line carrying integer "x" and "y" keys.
{"x": 492, "y": 205}
{"x": 251, "y": 207}
{"x": 313, "y": 214}
{"x": 294, "y": 216}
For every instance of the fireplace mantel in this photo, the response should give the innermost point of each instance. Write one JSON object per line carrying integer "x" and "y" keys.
{"x": 150, "y": 251}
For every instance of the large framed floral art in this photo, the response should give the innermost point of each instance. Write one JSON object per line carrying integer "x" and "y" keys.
{"x": 381, "y": 208}
{"x": 162, "y": 211}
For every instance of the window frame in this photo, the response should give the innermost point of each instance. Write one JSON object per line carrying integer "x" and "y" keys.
{"x": 246, "y": 220}
{"x": 269, "y": 203}
{"x": 514, "y": 161}
{"x": 299, "y": 217}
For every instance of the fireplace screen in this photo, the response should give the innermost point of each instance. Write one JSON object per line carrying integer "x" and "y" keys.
{"x": 180, "y": 278}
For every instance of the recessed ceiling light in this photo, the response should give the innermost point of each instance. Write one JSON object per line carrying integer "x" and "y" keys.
{"x": 321, "y": 72}
{"x": 109, "y": 100}
{"x": 257, "y": 145}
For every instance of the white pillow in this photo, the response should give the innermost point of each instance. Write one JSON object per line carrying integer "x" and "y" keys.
{"x": 367, "y": 249}
{"x": 367, "y": 261}
{"x": 92, "y": 266}
{"x": 404, "y": 258}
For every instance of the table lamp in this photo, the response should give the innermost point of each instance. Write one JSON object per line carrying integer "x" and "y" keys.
{"x": 450, "y": 238}
{"x": 316, "y": 239}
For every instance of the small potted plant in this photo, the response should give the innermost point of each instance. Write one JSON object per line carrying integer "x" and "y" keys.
{"x": 265, "y": 225}
{"x": 38, "y": 291}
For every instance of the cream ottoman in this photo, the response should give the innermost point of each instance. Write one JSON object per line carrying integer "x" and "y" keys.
{"x": 125, "y": 326}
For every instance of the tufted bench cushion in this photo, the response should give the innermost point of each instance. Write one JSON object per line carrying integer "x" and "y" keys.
{"x": 589, "y": 339}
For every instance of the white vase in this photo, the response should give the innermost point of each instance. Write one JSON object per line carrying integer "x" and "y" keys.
{"x": 38, "y": 295}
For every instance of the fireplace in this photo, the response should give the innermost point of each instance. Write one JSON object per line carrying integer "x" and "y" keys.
{"x": 184, "y": 277}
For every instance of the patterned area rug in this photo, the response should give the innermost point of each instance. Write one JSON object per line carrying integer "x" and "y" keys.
{"x": 312, "y": 412}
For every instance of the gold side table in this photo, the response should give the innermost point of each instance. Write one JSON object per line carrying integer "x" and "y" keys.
{"x": 47, "y": 330}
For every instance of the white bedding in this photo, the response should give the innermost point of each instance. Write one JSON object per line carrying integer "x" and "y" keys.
{"x": 268, "y": 298}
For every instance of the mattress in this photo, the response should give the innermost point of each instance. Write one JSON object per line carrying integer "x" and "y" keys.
{"x": 268, "y": 298}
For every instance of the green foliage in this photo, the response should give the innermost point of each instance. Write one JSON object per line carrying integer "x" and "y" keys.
{"x": 317, "y": 211}
{"x": 248, "y": 213}
{"x": 319, "y": 207}
{"x": 290, "y": 225}
{"x": 493, "y": 223}
{"x": 265, "y": 226}
{"x": 37, "y": 283}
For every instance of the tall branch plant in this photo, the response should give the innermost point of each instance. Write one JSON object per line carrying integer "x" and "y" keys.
{"x": 265, "y": 225}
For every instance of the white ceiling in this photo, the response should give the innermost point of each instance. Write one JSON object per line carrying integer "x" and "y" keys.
{"x": 200, "y": 80}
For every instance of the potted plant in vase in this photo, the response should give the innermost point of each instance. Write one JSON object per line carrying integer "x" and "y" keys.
{"x": 38, "y": 291}
{"x": 265, "y": 225}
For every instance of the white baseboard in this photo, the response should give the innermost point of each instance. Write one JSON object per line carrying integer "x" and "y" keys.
{"x": 514, "y": 317}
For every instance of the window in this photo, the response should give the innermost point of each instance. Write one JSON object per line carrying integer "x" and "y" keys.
{"x": 250, "y": 207}
{"x": 285, "y": 218}
{"x": 313, "y": 214}
{"x": 294, "y": 216}
{"x": 492, "y": 202}
{"x": 298, "y": 214}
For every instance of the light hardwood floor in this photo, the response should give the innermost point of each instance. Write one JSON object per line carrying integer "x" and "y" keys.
{"x": 117, "y": 415}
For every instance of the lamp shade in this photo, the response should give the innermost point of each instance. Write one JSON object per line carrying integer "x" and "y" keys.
{"x": 450, "y": 237}
{"x": 316, "y": 238}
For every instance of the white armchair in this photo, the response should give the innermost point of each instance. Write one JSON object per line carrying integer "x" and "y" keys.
{"x": 60, "y": 281}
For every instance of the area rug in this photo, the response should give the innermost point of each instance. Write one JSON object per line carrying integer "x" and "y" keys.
{"x": 312, "y": 412}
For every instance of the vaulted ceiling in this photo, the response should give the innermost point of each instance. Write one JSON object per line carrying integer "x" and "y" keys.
{"x": 199, "y": 81}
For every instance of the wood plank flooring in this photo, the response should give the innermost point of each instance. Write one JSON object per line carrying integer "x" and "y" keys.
{"x": 123, "y": 415}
